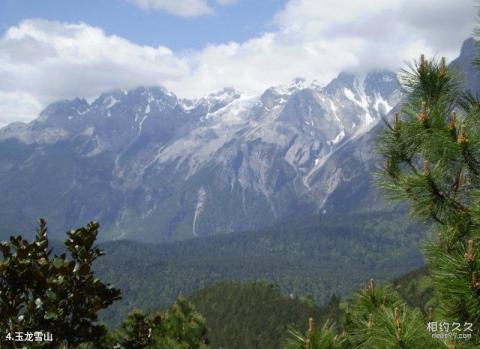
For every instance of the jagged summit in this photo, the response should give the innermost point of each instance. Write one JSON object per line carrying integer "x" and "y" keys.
{"x": 74, "y": 106}
{"x": 469, "y": 47}
{"x": 177, "y": 167}
{"x": 464, "y": 65}
{"x": 210, "y": 103}
{"x": 152, "y": 166}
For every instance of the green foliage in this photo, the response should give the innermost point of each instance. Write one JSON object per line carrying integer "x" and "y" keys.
{"x": 57, "y": 294}
{"x": 315, "y": 256}
{"x": 324, "y": 337}
{"x": 136, "y": 331}
{"x": 430, "y": 160}
{"x": 375, "y": 318}
{"x": 416, "y": 290}
{"x": 379, "y": 319}
{"x": 441, "y": 132}
{"x": 253, "y": 315}
{"x": 184, "y": 328}
{"x": 180, "y": 327}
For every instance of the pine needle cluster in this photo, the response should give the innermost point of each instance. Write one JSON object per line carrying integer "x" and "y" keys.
{"x": 432, "y": 161}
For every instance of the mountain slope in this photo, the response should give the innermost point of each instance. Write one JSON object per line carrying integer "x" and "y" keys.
{"x": 153, "y": 167}
{"x": 349, "y": 171}
{"x": 150, "y": 166}
{"x": 317, "y": 256}
{"x": 252, "y": 315}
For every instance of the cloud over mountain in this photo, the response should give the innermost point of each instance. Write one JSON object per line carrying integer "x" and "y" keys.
{"x": 43, "y": 61}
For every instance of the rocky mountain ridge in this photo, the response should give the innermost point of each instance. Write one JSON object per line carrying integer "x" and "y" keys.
{"x": 151, "y": 166}
{"x": 226, "y": 162}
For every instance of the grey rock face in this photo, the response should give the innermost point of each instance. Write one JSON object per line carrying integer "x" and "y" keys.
{"x": 465, "y": 67}
{"x": 154, "y": 167}
{"x": 351, "y": 167}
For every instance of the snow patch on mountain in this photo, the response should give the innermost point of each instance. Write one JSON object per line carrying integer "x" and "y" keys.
{"x": 199, "y": 208}
{"x": 260, "y": 148}
{"x": 110, "y": 101}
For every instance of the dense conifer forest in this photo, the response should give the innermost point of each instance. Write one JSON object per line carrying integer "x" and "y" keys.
{"x": 310, "y": 256}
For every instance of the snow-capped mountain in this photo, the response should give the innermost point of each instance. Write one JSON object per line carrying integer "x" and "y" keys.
{"x": 151, "y": 166}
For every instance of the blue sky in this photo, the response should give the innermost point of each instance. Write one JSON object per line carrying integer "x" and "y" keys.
{"x": 236, "y": 22}
{"x": 60, "y": 49}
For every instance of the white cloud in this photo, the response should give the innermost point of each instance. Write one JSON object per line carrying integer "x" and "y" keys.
{"x": 184, "y": 8}
{"x": 387, "y": 31}
{"x": 17, "y": 106}
{"x": 43, "y": 61}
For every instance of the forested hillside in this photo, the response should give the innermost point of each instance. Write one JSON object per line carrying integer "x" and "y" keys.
{"x": 314, "y": 256}
{"x": 253, "y": 315}
{"x": 257, "y": 315}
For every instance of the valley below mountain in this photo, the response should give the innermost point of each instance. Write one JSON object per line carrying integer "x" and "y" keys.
{"x": 314, "y": 256}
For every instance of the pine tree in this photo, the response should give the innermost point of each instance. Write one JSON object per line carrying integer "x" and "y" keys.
{"x": 137, "y": 331}
{"x": 379, "y": 319}
{"x": 432, "y": 152}
{"x": 180, "y": 327}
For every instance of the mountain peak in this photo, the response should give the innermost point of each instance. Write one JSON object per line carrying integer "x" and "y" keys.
{"x": 108, "y": 99}
{"x": 346, "y": 77}
{"x": 68, "y": 106}
{"x": 226, "y": 94}
{"x": 464, "y": 64}
{"x": 382, "y": 83}
{"x": 212, "y": 102}
{"x": 299, "y": 83}
{"x": 343, "y": 80}
{"x": 156, "y": 91}
{"x": 469, "y": 46}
